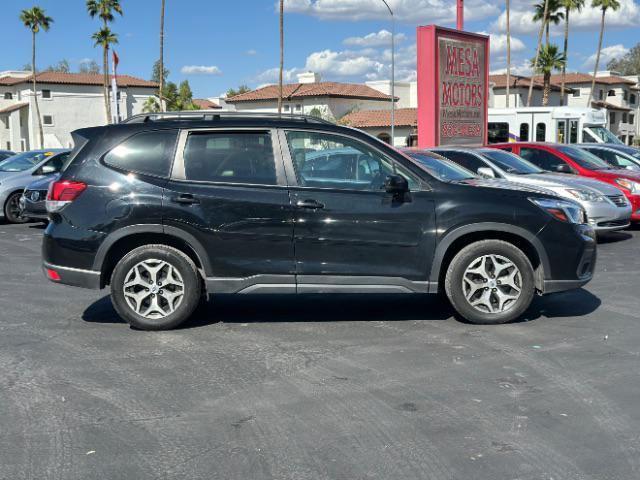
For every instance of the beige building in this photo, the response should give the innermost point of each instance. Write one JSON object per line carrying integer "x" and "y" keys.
{"x": 67, "y": 101}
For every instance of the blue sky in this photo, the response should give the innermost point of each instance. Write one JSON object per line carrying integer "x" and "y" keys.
{"x": 345, "y": 40}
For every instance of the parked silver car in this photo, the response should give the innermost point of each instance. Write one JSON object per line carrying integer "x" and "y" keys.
{"x": 19, "y": 171}
{"x": 607, "y": 207}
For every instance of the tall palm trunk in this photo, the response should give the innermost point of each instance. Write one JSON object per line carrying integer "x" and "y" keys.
{"x": 547, "y": 32}
{"x": 547, "y": 89}
{"x": 565, "y": 51}
{"x": 595, "y": 70}
{"x": 281, "y": 57}
{"x": 508, "y": 12}
{"x": 105, "y": 80}
{"x": 35, "y": 91}
{"x": 535, "y": 62}
{"x": 161, "y": 56}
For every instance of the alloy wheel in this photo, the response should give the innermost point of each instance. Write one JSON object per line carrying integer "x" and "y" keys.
{"x": 153, "y": 289}
{"x": 492, "y": 284}
{"x": 13, "y": 210}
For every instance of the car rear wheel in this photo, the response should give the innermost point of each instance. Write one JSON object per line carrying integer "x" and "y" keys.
{"x": 490, "y": 282}
{"x": 12, "y": 210}
{"x": 155, "y": 287}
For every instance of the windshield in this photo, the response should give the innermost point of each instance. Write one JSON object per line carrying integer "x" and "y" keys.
{"x": 441, "y": 168}
{"x": 22, "y": 161}
{"x": 603, "y": 134}
{"x": 584, "y": 159}
{"x": 510, "y": 162}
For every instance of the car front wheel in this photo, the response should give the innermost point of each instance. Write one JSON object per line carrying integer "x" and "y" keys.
{"x": 12, "y": 210}
{"x": 155, "y": 287}
{"x": 490, "y": 282}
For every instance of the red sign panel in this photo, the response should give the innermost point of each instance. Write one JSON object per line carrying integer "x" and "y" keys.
{"x": 453, "y": 80}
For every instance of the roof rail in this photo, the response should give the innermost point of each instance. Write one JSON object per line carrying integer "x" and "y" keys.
{"x": 211, "y": 116}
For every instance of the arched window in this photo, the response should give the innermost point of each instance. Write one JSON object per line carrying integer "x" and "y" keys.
{"x": 385, "y": 137}
{"x": 541, "y": 132}
{"x": 524, "y": 132}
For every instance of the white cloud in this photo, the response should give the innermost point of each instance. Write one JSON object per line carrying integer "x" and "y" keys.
{"x": 200, "y": 70}
{"x": 589, "y": 18}
{"x": 409, "y": 11}
{"x": 522, "y": 69}
{"x": 498, "y": 43}
{"x": 251, "y": 52}
{"x": 271, "y": 76}
{"x": 607, "y": 54}
{"x": 376, "y": 39}
{"x": 343, "y": 64}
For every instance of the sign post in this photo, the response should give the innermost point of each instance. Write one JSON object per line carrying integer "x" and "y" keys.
{"x": 453, "y": 87}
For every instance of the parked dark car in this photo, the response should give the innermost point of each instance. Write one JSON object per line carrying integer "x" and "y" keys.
{"x": 168, "y": 207}
{"x": 618, "y": 156}
{"x": 33, "y": 202}
{"x": 4, "y": 154}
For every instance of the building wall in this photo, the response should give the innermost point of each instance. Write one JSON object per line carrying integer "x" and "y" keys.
{"x": 518, "y": 98}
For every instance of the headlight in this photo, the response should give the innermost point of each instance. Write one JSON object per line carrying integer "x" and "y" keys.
{"x": 561, "y": 210}
{"x": 633, "y": 187}
{"x": 586, "y": 195}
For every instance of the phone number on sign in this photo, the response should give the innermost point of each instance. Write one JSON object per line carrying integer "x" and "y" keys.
{"x": 450, "y": 130}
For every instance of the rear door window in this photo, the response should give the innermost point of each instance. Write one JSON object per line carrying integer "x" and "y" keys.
{"x": 541, "y": 158}
{"x": 230, "y": 157}
{"x": 148, "y": 153}
{"x": 466, "y": 160}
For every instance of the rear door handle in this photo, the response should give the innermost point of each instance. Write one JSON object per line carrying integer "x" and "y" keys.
{"x": 310, "y": 204}
{"x": 185, "y": 199}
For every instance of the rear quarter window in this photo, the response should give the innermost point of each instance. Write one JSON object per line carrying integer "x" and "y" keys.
{"x": 148, "y": 153}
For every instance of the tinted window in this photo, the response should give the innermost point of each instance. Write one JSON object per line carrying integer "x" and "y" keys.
{"x": 333, "y": 161}
{"x": 498, "y": 132}
{"x": 466, "y": 160}
{"x": 584, "y": 158}
{"x": 149, "y": 152}
{"x": 613, "y": 158}
{"x": 510, "y": 163}
{"x": 541, "y": 158}
{"x": 23, "y": 161}
{"x": 524, "y": 132}
{"x": 440, "y": 167}
{"x": 230, "y": 157}
{"x": 57, "y": 162}
{"x": 541, "y": 132}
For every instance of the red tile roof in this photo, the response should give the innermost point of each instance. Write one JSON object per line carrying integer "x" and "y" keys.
{"x": 78, "y": 79}
{"x": 609, "y": 106}
{"x": 500, "y": 81}
{"x": 204, "y": 104}
{"x": 587, "y": 78}
{"x": 404, "y": 117}
{"x": 13, "y": 108}
{"x": 319, "y": 89}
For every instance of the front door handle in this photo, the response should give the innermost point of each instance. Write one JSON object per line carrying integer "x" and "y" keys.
{"x": 310, "y": 204}
{"x": 185, "y": 199}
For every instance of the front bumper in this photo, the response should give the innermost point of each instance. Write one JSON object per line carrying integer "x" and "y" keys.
{"x": 31, "y": 209}
{"x": 606, "y": 217}
{"x": 72, "y": 276}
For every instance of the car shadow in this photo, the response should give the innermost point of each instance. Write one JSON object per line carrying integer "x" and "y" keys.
{"x": 346, "y": 308}
{"x": 613, "y": 237}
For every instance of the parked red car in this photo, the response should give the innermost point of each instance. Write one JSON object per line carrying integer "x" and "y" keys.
{"x": 568, "y": 159}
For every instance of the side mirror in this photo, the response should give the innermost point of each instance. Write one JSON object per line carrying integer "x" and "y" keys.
{"x": 564, "y": 168}
{"x": 396, "y": 184}
{"x": 47, "y": 170}
{"x": 486, "y": 172}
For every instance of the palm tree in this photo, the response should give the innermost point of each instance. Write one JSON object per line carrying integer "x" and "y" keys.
{"x": 105, "y": 10}
{"x": 569, "y": 6}
{"x": 542, "y": 25}
{"x": 35, "y": 19}
{"x": 603, "y": 5}
{"x": 508, "y": 13}
{"x": 281, "y": 57}
{"x": 552, "y": 15}
{"x": 549, "y": 60}
{"x": 105, "y": 38}
{"x": 161, "y": 54}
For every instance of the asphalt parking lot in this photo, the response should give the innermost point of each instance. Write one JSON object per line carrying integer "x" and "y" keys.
{"x": 353, "y": 387}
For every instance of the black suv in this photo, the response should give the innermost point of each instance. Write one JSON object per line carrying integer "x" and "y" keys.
{"x": 168, "y": 208}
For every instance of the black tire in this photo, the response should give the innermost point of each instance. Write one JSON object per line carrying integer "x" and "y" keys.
{"x": 191, "y": 280}
{"x": 12, "y": 213}
{"x": 466, "y": 258}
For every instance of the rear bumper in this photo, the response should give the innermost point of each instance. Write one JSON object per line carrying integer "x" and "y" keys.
{"x": 72, "y": 276}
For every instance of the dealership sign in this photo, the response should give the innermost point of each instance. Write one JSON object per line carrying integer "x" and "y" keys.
{"x": 453, "y": 79}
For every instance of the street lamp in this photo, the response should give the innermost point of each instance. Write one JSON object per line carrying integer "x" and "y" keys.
{"x": 393, "y": 72}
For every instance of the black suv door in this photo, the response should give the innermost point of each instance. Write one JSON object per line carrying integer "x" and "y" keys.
{"x": 228, "y": 189}
{"x": 345, "y": 223}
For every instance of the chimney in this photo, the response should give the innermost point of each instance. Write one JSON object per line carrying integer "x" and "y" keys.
{"x": 308, "y": 77}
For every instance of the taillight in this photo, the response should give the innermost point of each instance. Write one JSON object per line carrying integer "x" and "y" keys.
{"x": 62, "y": 193}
